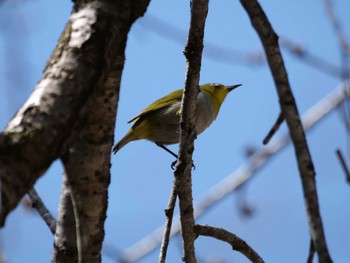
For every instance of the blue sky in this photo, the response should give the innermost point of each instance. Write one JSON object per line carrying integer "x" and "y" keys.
{"x": 141, "y": 174}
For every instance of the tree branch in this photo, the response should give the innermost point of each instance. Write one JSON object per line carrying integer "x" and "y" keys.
{"x": 87, "y": 161}
{"x": 290, "y": 112}
{"x": 274, "y": 128}
{"x": 46, "y": 124}
{"x": 45, "y": 214}
{"x": 183, "y": 179}
{"x": 65, "y": 243}
{"x": 343, "y": 165}
{"x": 236, "y": 242}
{"x": 169, "y": 213}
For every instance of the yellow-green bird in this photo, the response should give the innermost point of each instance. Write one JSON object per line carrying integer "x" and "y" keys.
{"x": 159, "y": 122}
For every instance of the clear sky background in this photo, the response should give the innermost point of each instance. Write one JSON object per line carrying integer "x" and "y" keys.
{"x": 141, "y": 174}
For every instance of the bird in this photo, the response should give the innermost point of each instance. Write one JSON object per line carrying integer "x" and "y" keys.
{"x": 159, "y": 122}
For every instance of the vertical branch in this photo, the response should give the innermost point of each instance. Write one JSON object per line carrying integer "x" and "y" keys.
{"x": 86, "y": 157}
{"x": 87, "y": 164}
{"x": 291, "y": 115}
{"x": 183, "y": 179}
{"x": 65, "y": 243}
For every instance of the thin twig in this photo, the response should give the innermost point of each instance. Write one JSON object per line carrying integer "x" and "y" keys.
{"x": 344, "y": 47}
{"x": 311, "y": 252}
{"x": 290, "y": 112}
{"x": 45, "y": 214}
{"x": 343, "y": 165}
{"x": 274, "y": 128}
{"x": 169, "y": 213}
{"x": 236, "y": 242}
{"x": 343, "y": 43}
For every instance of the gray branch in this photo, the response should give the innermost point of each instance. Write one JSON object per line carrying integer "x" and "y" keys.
{"x": 290, "y": 113}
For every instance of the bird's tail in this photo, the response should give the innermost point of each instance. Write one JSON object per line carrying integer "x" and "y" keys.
{"x": 125, "y": 140}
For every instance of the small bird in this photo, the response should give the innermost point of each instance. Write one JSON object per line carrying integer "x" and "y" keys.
{"x": 159, "y": 122}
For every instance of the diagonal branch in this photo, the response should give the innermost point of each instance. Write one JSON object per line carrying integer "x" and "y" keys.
{"x": 343, "y": 165}
{"x": 47, "y": 123}
{"x": 290, "y": 112}
{"x": 45, "y": 214}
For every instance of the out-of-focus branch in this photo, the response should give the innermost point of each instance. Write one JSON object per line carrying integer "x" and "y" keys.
{"x": 44, "y": 213}
{"x": 183, "y": 177}
{"x": 290, "y": 112}
{"x": 212, "y": 51}
{"x": 305, "y": 56}
{"x": 236, "y": 242}
{"x": 343, "y": 43}
{"x": 344, "y": 48}
{"x": 228, "y": 55}
{"x": 241, "y": 175}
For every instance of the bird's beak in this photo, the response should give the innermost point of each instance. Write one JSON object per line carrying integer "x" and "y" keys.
{"x": 230, "y": 88}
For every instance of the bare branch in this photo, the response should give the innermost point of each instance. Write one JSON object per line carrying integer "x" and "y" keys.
{"x": 45, "y": 214}
{"x": 241, "y": 175}
{"x": 310, "y": 59}
{"x": 291, "y": 115}
{"x": 236, "y": 242}
{"x": 213, "y": 51}
{"x": 343, "y": 43}
{"x": 274, "y": 128}
{"x": 310, "y": 258}
{"x": 65, "y": 243}
{"x": 343, "y": 165}
{"x": 183, "y": 178}
{"x": 169, "y": 213}
{"x": 87, "y": 164}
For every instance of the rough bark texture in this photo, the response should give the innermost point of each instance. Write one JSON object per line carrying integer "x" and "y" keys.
{"x": 183, "y": 179}
{"x": 87, "y": 164}
{"x": 65, "y": 243}
{"x": 49, "y": 121}
{"x": 290, "y": 113}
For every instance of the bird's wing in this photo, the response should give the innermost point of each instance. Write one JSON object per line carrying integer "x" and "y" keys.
{"x": 161, "y": 103}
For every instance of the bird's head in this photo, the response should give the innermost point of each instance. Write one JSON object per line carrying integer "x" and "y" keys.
{"x": 218, "y": 93}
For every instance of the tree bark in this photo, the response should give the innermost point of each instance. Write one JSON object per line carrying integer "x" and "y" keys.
{"x": 46, "y": 125}
{"x": 183, "y": 178}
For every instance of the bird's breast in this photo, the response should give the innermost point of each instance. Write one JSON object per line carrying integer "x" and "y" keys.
{"x": 205, "y": 112}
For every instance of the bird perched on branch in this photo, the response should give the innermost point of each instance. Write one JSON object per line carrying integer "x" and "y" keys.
{"x": 159, "y": 122}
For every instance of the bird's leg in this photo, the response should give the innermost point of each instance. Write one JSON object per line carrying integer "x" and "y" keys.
{"x": 165, "y": 148}
{"x": 173, "y": 154}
